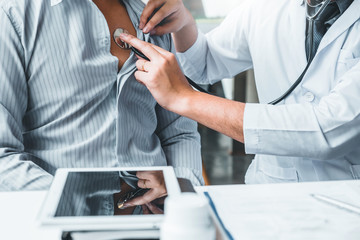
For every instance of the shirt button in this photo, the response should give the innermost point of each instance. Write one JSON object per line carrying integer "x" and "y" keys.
{"x": 309, "y": 97}
{"x": 105, "y": 41}
{"x": 108, "y": 206}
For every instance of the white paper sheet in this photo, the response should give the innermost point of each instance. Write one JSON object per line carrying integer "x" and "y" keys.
{"x": 287, "y": 211}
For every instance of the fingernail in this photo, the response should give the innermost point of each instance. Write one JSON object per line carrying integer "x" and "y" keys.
{"x": 146, "y": 29}
{"x": 123, "y": 35}
{"x": 141, "y": 25}
{"x": 125, "y": 206}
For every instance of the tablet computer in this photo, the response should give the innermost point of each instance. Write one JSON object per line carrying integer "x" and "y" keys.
{"x": 91, "y": 199}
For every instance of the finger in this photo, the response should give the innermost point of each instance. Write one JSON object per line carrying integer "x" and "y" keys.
{"x": 159, "y": 201}
{"x": 145, "y": 47}
{"x": 167, "y": 25}
{"x": 154, "y": 209}
{"x": 150, "y": 7}
{"x": 141, "y": 45}
{"x": 160, "y": 50}
{"x": 161, "y": 30}
{"x": 145, "y": 183}
{"x": 141, "y": 77}
{"x": 141, "y": 65}
{"x": 158, "y": 17}
{"x": 142, "y": 183}
{"x": 146, "y": 210}
{"x": 145, "y": 174}
{"x": 152, "y": 176}
{"x": 149, "y": 196}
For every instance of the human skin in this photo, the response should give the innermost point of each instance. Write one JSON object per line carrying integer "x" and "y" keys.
{"x": 171, "y": 17}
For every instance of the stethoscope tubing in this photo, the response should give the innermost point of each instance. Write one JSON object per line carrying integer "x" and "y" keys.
{"x": 311, "y": 20}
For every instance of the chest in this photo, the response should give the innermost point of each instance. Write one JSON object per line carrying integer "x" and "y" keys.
{"x": 116, "y": 16}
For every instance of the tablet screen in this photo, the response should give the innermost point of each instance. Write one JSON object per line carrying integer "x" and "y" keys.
{"x": 103, "y": 193}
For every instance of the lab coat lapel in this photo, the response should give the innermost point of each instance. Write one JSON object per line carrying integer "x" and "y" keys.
{"x": 351, "y": 15}
{"x": 298, "y": 19}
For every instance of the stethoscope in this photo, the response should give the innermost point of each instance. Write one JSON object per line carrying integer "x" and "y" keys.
{"x": 310, "y": 16}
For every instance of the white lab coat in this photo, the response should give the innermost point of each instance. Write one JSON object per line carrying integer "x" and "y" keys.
{"x": 314, "y": 134}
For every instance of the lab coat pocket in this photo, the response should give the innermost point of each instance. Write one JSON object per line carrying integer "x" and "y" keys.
{"x": 279, "y": 174}
{"x": 351, "y": 63}
{"x": 346, "y": 60}
{"x": 355, "y": 170}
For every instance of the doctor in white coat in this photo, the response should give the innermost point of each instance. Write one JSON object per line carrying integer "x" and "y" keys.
{"x": 311, "y": 135}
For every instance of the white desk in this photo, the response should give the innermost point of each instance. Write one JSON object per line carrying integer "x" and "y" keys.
{"x": 287, "y": 211}
{"x": 18, "y": 212}
{"x": 277, "y": 211}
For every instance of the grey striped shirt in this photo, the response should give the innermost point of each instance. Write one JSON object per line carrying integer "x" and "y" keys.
{"x": 64, "y": 104}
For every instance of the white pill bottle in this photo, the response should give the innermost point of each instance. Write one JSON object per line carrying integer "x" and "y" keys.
{"x": 187, "y": 217}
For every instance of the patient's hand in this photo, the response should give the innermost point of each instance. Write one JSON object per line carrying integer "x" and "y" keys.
{"x": 151, "y": 208}
{"x": 125, "y": 188}
{"x": 153, "y": 180}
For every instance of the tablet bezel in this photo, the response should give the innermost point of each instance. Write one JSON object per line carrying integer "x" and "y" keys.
{"x": 131, "y": 222}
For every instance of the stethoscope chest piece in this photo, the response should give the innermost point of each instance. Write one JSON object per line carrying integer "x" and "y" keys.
{"x": 118, "y": 41}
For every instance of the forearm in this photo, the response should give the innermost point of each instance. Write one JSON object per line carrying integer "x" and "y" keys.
{"x": 217, "y": 113}
{"x": 187, "y": 36}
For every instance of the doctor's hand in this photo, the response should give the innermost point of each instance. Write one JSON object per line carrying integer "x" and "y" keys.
{"x": 164, "y": 16}
{"x": 161, "y": 75}
{"x": 154, "y": 181}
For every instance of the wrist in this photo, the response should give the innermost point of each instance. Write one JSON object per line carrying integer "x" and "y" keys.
{"x": 186, "y": 36}
{"x": 189, "y": 22}
{"x": 183, "y": 102}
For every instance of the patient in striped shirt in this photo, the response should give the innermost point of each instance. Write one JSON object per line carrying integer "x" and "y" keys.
{"x": 68, "y": 96}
